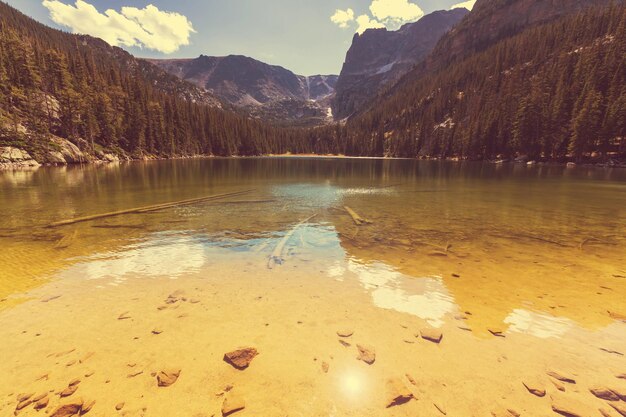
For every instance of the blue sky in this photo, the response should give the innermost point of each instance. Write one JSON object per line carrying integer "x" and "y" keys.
{"x": 296, "y": 34}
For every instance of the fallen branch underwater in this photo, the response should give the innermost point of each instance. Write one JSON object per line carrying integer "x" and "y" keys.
{"x": 358, "y": 220}
{"x": 276, "y": 258}
{"x": 147, "y": 209}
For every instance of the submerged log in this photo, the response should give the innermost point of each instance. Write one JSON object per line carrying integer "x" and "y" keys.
{"x": 147, "y": 209}
{"x": 276, "y": 258}
{"x": 358, "y": 220}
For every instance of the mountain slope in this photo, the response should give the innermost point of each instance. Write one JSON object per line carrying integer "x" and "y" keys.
{"x": 555, "y": 91}
{"x": 267, "y": 91}
{"x": 69, "y": 98}
{"x": 378, "y": 57}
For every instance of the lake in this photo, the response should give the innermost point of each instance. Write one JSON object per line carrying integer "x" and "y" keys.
{"x": 471, "y": 281}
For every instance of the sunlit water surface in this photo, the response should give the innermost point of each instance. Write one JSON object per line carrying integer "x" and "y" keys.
{"x": 534, "y": 249}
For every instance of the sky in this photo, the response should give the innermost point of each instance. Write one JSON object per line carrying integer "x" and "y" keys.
{"x": 308, "y": 37}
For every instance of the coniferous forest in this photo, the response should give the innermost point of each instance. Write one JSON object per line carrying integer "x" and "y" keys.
{"x": 551, "y": 91}
{"x": 555, "y": 92}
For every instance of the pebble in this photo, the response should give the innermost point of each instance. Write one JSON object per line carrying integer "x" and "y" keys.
{"x": 411, "y": 379}
{"x": 232, "y": 403}
{"x": 119, "y": 406}
{"x": 505, "y": 412}
{"x": 124, "y": 316}
{"x": 367, "y": 354}
{"x": 167, "y": 377}
{"x": 157, "y": 331}
{"x": 344, "y": 343}
{"x": 134, "y": 374}
{"x": 42, "y": 403}
{"x": 23, "y": 404}
{"x": 397, "y": 393}
{"x": 604, "y": 393}
{"x": 71, "y": 389}
{"x": 558, "y": 385}
{"x": 345, "y": 333}
{"x": 440, "y": 408}
{"x": 24, "y": 397}
{"x": 534, "y": 387}
{"x": 432, "y": 335}
{"x": 617, "y": 316}
{"x": 562, "y": 377}
{"x": 241, "y": 358}
{"x": 496, "y": 332}
{"x": 87, "y": 406}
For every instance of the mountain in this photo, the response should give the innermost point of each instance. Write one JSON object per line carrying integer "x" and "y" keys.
{"x": 554, "y": 90}
{"x": 379, "y": 57}
{"x": 67, "y": 98}
{"x": 266, "y": 91}
{"x": 492, "y": 20}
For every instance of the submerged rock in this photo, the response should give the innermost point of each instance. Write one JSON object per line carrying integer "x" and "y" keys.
{"x": 604, "y": 393}
{"x": 167, "y": 377}
{"x": 619, "y": 407}
{"x": 71, "y": 388}
{"x": 367, "y": 354}
{"x": 232, "y": 403}
{"x": 397, "y": 393}
{"x": 505, "y": 412}
{"x": 534, "y": 387}
{"x": 563, "y": 377}
{"x": 241, "y": 358}
{"x": 325, "y": 367}
{"x": 69, "y": 410}
{"x": 432, "y": 335}
{"x": 567, "y": 407}
{"x": 42, "y": 403}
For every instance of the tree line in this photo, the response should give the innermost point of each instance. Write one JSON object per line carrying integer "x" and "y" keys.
{"x": 554, "y": 91}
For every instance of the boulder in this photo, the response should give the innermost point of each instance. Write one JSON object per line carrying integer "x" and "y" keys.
{"x": 15, "y": 157}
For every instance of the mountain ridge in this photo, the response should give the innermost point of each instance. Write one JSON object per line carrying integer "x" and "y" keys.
{"x": 265, "y": 91}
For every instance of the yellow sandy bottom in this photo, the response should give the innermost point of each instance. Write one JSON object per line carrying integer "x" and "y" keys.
{"x": 103, "y": 334}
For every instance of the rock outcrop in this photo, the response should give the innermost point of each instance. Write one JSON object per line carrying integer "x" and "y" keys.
{"x": 378, "y": 57}
{"x": 11, "y": 157}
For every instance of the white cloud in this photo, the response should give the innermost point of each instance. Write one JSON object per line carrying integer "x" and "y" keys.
{"x": 394, "y": 13}
{"x": 465, "y": 5}
{"x": 390, "y": 14}
{"x": 147, "y": 28}
{"x": 364, "y": 22}
{"x": 343, "y": 18}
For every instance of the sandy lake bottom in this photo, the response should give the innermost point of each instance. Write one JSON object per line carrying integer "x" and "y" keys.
{"x": 469, "y": 290}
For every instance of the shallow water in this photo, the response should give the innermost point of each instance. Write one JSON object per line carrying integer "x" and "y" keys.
{"x": 534, "y": 254}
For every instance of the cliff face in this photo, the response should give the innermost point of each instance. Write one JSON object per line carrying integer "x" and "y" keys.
{"x": 378, "y": 57}
{"x": 266, "y": 91}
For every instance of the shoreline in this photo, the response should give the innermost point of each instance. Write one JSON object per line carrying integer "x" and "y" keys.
{"x": 12, "y": 158}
